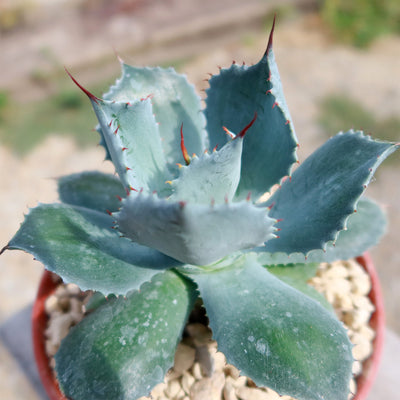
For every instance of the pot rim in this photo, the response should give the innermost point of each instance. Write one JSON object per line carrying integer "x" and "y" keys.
{"x": 377, "y": 323}
{"x": 39, "y": 318}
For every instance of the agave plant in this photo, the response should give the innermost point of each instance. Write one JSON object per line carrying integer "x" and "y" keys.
{"x": 175, "y": 227}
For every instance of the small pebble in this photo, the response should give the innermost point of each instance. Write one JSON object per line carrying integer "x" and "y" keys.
{"x": 59, "y": 328}
{"x": 73, "y": 289}
{"x": 209, "y": 388}
{"x": 201, "y": 334}
{"x": 184, "y": 358}
{"x": 196, "y": 371}
{"x": 187, "y": 382}
{"x": 51, "y": 304}
{"x": 241, "y": 381}
{"x": 246, "y": 393}
{"x": 335, "y": 271}
{"x": 205, "y": 359}
{"x": 367, "y": 332}
{"x": 357, "y": 368}
{"x": 157, "y": 391}
{"x": 362, "y": 347}
{"x": 231, "y": 371}
{"x": 219, "y": 361}
{"x": 229, "y": 391}
{"x": 174, "y": 389}
{"x": 353, "y": 388}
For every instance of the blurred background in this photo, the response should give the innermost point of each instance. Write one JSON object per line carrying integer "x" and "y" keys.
{"x": 340, "y": 67}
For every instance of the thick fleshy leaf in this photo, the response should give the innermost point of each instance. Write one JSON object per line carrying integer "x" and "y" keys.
{"x": 103, "y": 143}
{"x": 193, "y": 233}
{"x": 297, "y": 276}
{"x": 363, "y": 230}
{"x": 79, "y": 245}
{"x": 92, "y": 189}
{"x": 274, "y": 334}
{"x": 134, "y": 143}
{"x": 175, "y": 102}
{"x": 125, "y": 347}
{"x": 269, "y": 150}
{"x": 316, "y": 202}
{"x": 212, "y": 177}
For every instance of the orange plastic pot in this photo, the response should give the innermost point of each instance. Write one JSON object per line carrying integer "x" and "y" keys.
{"x": 48, "y": 285}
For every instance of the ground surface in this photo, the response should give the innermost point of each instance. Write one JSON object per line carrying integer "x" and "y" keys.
{"x": 311, "y": 66}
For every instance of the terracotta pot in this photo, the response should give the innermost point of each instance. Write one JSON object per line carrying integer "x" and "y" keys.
{"x": 49, "y": 283}
{"x": 47, "y": 286}
{"x": 377, "y": 323}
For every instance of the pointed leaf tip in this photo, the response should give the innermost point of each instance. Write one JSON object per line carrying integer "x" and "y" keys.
{"x": 119, "y": 58}
{"x": 6, "y": 247}
{"x": 88, "y": 94}
{"x": 271, "y": 36}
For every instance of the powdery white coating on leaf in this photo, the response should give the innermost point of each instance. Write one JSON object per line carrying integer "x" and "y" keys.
{"x": 210, "y": 177}
{"x": 262, "y": 347}
{"x": 133, "y": 141}
{"x": 277, "y": 89}
{"x": 298, "y": 348}
{"x": 114, "y": 353}
{"x": 315, "y": 204}
{"x": 79, "y": 245}
{"x": 193, "y": 233}
{"x": 174, "y": 103}
{"x": 233, "y": 97}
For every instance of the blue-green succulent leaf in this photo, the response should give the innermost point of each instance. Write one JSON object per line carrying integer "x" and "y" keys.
{"x": 363, "y": 230}
{"x": 79, "y": 245}
{"x": 175, "y": 102}
{"x": 92, "y": 189}
{"x": 125, "y": 347}
{"x": 277, "y": 336}
{"x": 233, "y": 97}
{"x": 323, "y": 192}
{"x": 193, "y": 233}
{"x": 297, "y": 276}
{"x": 134, "y": 143}
{"x": 210, "y": 177}
{"x": 103, "y": 142}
